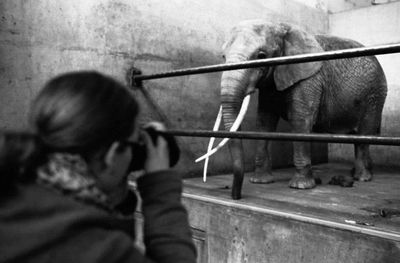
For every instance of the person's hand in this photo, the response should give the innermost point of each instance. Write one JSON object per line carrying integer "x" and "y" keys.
{"x": 157, "y": 153}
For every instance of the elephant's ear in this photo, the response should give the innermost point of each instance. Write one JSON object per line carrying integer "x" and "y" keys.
{"x": 296, "y": 41}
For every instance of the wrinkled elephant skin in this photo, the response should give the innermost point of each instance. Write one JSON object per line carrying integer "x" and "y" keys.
{"x": 333, "y": 96}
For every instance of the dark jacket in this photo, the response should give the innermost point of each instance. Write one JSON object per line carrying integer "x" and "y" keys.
{"x": 38, "y": 224}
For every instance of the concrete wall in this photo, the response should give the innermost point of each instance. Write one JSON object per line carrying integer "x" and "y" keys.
{"x": 42, "y": 38}
{"x": 375, "y": 25}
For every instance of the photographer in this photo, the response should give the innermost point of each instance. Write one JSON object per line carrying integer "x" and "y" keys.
{"x": 64, "y": 193}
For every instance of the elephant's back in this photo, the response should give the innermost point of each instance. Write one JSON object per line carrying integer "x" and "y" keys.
{"x": 361, "y": 74}
{"x": 328, "y": 42}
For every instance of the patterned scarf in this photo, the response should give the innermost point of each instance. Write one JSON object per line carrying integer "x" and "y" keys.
{"x": 70, "y": 175}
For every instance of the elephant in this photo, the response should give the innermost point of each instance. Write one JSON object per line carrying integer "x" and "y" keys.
{"x": 332, "y": 96}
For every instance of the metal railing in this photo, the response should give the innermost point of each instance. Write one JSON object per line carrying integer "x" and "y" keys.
{"x": 137, "y": 78}
{"x": 281, "y": 136}
{"x": 336, "y": 54}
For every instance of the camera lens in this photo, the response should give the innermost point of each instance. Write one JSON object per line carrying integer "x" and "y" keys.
{"x": 139, "y": 151}
{"x": 139, "y": 156}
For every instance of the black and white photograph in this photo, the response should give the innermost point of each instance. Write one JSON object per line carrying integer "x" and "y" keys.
{"x": 200, "y": 131}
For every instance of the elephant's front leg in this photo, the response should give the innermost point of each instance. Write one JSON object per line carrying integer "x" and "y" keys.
{"x": 266, "y": 121}
{"x": 303, "y": 177}
{"x": 303, "y": 105}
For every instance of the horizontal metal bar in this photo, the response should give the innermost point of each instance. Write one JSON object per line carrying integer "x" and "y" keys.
{"x": 336, "y": 54}
{"x": 280, "y": 136}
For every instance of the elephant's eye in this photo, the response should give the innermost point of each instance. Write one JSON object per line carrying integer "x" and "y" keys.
{"x": 261, "y": 55}
{"x": 223, "y": 57}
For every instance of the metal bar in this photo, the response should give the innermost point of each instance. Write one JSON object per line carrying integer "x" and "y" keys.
{"x": 280, "y": 136}
{"x": 336, "y": 54}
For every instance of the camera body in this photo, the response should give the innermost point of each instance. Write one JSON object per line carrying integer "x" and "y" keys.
{"x": 140, "y": 151}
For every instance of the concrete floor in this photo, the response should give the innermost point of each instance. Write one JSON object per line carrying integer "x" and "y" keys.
{"x": 363, "y": 202}
{"x": 274, "y": 223}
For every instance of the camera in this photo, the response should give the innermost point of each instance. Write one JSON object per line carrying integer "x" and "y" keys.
{"x": 139, "y": 151}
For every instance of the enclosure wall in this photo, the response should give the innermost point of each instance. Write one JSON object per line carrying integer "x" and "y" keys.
{"x": 42, "y": 38}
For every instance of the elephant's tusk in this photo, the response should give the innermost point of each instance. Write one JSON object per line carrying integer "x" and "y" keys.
{"x": 234, "y": 127}
{"x": 211, "y": 143}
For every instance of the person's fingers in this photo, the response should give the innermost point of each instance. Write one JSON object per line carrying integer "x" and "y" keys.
{"x": 156, "y": 125}
{"x": 157, "y": 152}
{"x": 159, "y": 142}
{"x": 147, "y": 140}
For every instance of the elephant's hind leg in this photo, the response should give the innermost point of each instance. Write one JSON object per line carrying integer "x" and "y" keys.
{"x": 363, "y": 163}
{"x": 369, "y": 125}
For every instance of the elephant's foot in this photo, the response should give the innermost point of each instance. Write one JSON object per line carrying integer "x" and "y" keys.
{"x": 261, "y": 178}
{"x": 303, "y": 179}
{"x": 363, "y": 175}
{"x": 302, "y": 183}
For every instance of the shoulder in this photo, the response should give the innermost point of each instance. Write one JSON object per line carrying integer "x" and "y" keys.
{"x": 41, "y": 221}
{"x": 47, "y": 202}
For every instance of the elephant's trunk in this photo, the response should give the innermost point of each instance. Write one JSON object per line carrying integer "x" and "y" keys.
{"x": 233, "y": 89}
{"x": 234, "y": 105}
{"x": 235, "y": 126}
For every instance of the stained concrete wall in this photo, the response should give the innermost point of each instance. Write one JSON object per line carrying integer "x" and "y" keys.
{"x": 42, "y": 38}
{"x": 375, "y": 25}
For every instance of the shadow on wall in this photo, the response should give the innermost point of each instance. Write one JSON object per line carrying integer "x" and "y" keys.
{"x": 180, "y": 105}
{"x": 185, "y": 102}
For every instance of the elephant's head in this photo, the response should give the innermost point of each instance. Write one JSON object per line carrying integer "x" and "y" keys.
{"x": 258, "y": 39}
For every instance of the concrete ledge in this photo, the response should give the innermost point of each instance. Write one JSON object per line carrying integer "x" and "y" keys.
{"x": 273, "y": 223}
